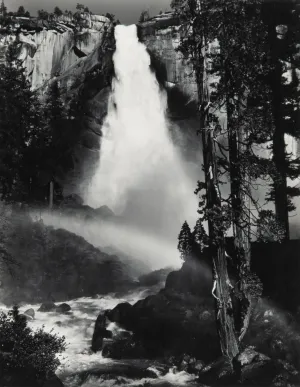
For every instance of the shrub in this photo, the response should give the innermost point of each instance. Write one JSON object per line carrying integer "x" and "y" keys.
{"x": 27, "y": 352}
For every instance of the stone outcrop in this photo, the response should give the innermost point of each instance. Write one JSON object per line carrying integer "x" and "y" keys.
{"x": 50, "y": 47}
{"x": 161, "y": 35}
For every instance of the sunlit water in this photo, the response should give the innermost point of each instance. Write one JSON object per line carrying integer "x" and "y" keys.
{"x": 141, "y": 174}
{"x": 78, "y": 327}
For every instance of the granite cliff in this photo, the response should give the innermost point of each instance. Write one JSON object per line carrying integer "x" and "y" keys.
{"x": 50, "y": 47}
{"x": 161, "y": 35}
{"x": 76, "y": 50}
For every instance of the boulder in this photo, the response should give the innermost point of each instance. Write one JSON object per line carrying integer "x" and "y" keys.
{"x": 155, "y": 277}
{"x": 47, "y": 307}
{"x": 123, "y": 370}
{"x": 30, "y": 313}
{"x": 251, "y": 368}
{"x": 100, "y": 333}
{"x": 63, "y": 308}
{"x": 125, "y": 349}
{"x": 28, "y": 318}
{"x": 122, "y": 314}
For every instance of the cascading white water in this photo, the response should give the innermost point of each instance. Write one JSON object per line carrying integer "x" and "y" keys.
{"x": 141, "y": 174}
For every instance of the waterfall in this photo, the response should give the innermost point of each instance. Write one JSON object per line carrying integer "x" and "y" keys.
{"x": 141, "y": 175}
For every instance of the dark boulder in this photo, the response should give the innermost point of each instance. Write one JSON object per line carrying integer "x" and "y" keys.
{"x": 125, "y": 349}
{"x": 28, "y": 318}
{"x": 63, "y": 308}
{"x": 100, "y": 333}
{"x": 113, "y": 370}
{"x": 122, "y": 314}
{"x": 47, "y": 307}
{"x": 250, "y": 369}
{"x": 155, "y": 277}
{"x": 194, "y": 277}
{"x": 30, "y": 313}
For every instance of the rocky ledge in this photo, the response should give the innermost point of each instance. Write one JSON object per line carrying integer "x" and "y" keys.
{"x": 50, "y": 47}
{"x": 177, "y": 327}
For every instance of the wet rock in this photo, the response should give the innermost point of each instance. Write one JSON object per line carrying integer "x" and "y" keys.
{"x": 154, "y": 278}
{"x": 163, "y": 326}
{"x": 250, "y": 368}
{"x": 63, "y": 308}
{"x": 47, "y": 307}
{"x": 124, "y": 349}
{"x": 100, "y": 333}
{"x": 30, "y": 313}
{"x": 28, "y": 318}
{"x": 130, "y": 371}
{"x": 122, "y": 314}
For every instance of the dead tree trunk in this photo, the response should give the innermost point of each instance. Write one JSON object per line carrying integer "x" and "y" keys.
{"x": 240, "y": 203}
{"x": 221, "y": 287}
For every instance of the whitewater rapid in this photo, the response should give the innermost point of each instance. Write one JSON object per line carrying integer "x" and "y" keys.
{"x": 78, "y": 327}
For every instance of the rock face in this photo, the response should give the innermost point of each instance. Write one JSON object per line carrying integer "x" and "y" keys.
{"x": 77, "y": 53}
{"x": 170, "y": 322}
{"x": 51, "y": 47}
{"x": 161, "y": 35}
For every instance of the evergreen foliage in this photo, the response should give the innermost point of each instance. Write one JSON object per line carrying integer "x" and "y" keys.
{"x": 21, "y": 122}
{"x": 200, "y": 236}
{"x": 58, "y": 11}
{"x": 32, "y": 354}
{"x": 185, "y": 242}
{"x": 144, "y": 16}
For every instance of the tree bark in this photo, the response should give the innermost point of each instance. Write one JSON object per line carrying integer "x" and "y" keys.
{"x": 221, "y": 286}
{"x": 240, "y": 203}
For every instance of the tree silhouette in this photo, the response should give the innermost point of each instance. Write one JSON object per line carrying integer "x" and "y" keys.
{"x": 58, "y": 11}
{"x": 185, "y": 242}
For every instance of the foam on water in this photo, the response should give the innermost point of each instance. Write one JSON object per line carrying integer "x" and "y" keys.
{"x": 77, "y": 327}
{"x": 141, "y": 174}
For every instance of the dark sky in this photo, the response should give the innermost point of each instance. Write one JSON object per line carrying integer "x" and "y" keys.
{"x": 128, "y": 11}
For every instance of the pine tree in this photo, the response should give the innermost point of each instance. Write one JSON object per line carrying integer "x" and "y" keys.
{"x": 200, "y": 236}
{"x": 3, "y": 10}
{"x": 80, "y": 7}
{"x": 145, "y": 16}
{"x": 44, "y": 15}
{"x": 20, "y": 122}
{"x": 57, "y": 11}
{"x": 21, "y": 11}
{"x": 228, "y": 76}
{"x": 185, "y": 242}
{"x": 282, "y": 22}
{"x": 53, "y": 146}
